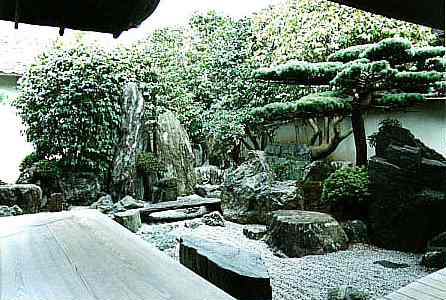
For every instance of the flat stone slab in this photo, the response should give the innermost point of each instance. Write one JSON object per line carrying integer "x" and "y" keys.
{"x": 298, "y": 233}
{"x": 240, "y": 273}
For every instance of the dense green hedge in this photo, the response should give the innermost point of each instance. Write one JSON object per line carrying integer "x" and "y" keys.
{"x": 70, "y": 101}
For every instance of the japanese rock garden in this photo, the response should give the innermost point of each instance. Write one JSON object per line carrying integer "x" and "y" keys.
{"x": 268, "y": 154}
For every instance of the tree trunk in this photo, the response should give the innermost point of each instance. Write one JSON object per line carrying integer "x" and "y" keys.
{"x": 359, "y": 134}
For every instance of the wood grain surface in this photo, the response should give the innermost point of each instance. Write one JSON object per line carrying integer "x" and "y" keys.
{"x": 83, "y": 255}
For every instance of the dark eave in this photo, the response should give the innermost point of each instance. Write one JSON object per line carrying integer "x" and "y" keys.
{"x": 424, "y": 12}
{"x": 108, "y": 16}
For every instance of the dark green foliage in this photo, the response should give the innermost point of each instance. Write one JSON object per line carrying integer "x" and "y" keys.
{"x": 148, "y": 164}
{"x": 311, "y": 105}
{"x": 47, "y": 170}
{"x": 346, "y": 185}
{"x": 400, "y": 100}
{"x": 348, "y": 54}
{"x": 384, "y": 129}
{"x": 428, "y": 52}
{"x": 28, "y": 161}
{"x": 394, "y": 50}
{"x": 356, "y": 76}
{"x": 417, "y": 81}
{"x": 301, "y": 72}
{"x": 70, "y": 101}
{"x": 436, "y": 64}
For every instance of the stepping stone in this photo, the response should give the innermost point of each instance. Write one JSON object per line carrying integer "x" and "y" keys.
{"x": 240, "y": 273}
{"x": 130, "y": 219}
{"x": 297, "y": 233}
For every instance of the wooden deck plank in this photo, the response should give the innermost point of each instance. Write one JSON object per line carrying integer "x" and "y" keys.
{"x": 431, "y": 287}
{"x": 85, "y": 255}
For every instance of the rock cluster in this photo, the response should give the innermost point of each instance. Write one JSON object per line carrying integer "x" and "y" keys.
{"x": 6, "y": 211}
{"x": 356, "y": 231}
{"x": 105, "y": 204}
{"x": 250, "y": 193}
{"x": 408, "y": 192}
{"x": 213, "y": 219}
{"x": 347, "y": 293}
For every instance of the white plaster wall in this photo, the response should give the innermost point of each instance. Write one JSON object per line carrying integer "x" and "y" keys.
{"x": 427, "y": 122}
{"x": 13, "y": 145}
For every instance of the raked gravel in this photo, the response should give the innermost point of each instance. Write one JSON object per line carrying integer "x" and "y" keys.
{"x": 307, "y": 278}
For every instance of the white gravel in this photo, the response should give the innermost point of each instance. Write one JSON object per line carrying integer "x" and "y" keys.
{"x": 304, "y": 278}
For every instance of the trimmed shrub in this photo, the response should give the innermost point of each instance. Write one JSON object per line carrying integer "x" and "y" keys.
{"x": 348, "y": 185}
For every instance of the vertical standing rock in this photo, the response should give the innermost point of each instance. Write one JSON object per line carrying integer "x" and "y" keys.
{"x": 131, "y": 143}
{"x": 175, "y": 152}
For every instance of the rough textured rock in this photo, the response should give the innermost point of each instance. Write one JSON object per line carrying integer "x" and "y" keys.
{"x": 208, "y": 191}
{"x": 255, "y": 232}
{"x": 6, "y": 211}
{"x": 80, "y": 188}
{"x": 125, "y": 179}
{"x": 166, "y": 189}
{"x": 298, "y": 233}
{"x": 175, "y": 151}
{"x": 435, "y": 259}
{"x": 408, "y": 192}
{"x": 240, "y": 273}
{"x": 126, "y": 203}
{"x": 209, "y": 174}
{"x": 213, "y": 219}
{"x": 176, "y": 215}
{"x": 104, "y": 204}
{"x": 250, "y": 193}
{"x": 356, "y": 231}
{"x": 130, "y": 219}
{"x": 27, "y": 196}
{"x": 56, "y": 202}
{"x": 347, "y": 293}
{"x": 438, "y": 243}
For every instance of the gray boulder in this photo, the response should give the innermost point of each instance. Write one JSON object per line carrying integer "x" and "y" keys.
{"x": 126, "y": 203}
{"x": 356, "y": 231}
{"x": 104, "y": 204}
{"x": 80, "y": 188}
{"x": 347, "y": 293}
{"x": 125, "y": 179}
{"x": 298, "y": 233}
{"x": 208, "y": 191}
{"x": 408, "y": 192}
{"x": 434, "y": 260}
{"x": 27, "y": 196}
{"x": 250, "y": 192}
{"x": 255, "y": 232}
{"x": 240, "y": 273}
{"x": 175, "y": 152}
{"x": 130, "y": 219}
{"x": 6, "y": 211}
{"x": 213, "y": 219}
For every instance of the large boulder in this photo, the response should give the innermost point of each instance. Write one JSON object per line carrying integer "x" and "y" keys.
{"x": 240, "y": 273}
{"x": 408, "y": 192}
{"x": 6, "y": 211}
{"x": 298, "y": 233}
{"x": 124, "y": 177}
{"x": 27, "y": 196}
{"x": 80, "y": 188}
{"x": 175, "y": 152}
{"x": 250, "y": 192}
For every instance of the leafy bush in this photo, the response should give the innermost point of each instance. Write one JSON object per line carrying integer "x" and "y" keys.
{"x": 69, "y": 100}
{"x": 28, "y": 161}
{"x": 346, "y": 185}
{"x": 147, "y": 163}
{"x": 47, "y": 170}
